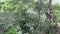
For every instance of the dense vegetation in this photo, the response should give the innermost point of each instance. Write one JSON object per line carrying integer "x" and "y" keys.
{"x": 22, "y": 17}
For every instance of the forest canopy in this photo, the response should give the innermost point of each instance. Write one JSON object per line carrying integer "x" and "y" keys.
{"x": 29, "y": 17}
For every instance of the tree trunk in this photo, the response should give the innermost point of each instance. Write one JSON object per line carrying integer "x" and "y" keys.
{"x": 39, "y": 24}
{"x": 44, "y": 9}
{"x": 50, "y": 16}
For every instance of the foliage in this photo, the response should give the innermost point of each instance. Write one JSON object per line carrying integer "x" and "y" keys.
{"x": 11, "y": 31}
{"x": 21, "y": 17}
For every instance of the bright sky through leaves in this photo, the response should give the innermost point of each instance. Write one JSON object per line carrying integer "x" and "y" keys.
{"x": 56, "y": 1}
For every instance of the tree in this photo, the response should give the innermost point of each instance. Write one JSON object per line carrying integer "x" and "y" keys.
{"x": 28, "y": 17}
{"x": 50, "y": 16}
